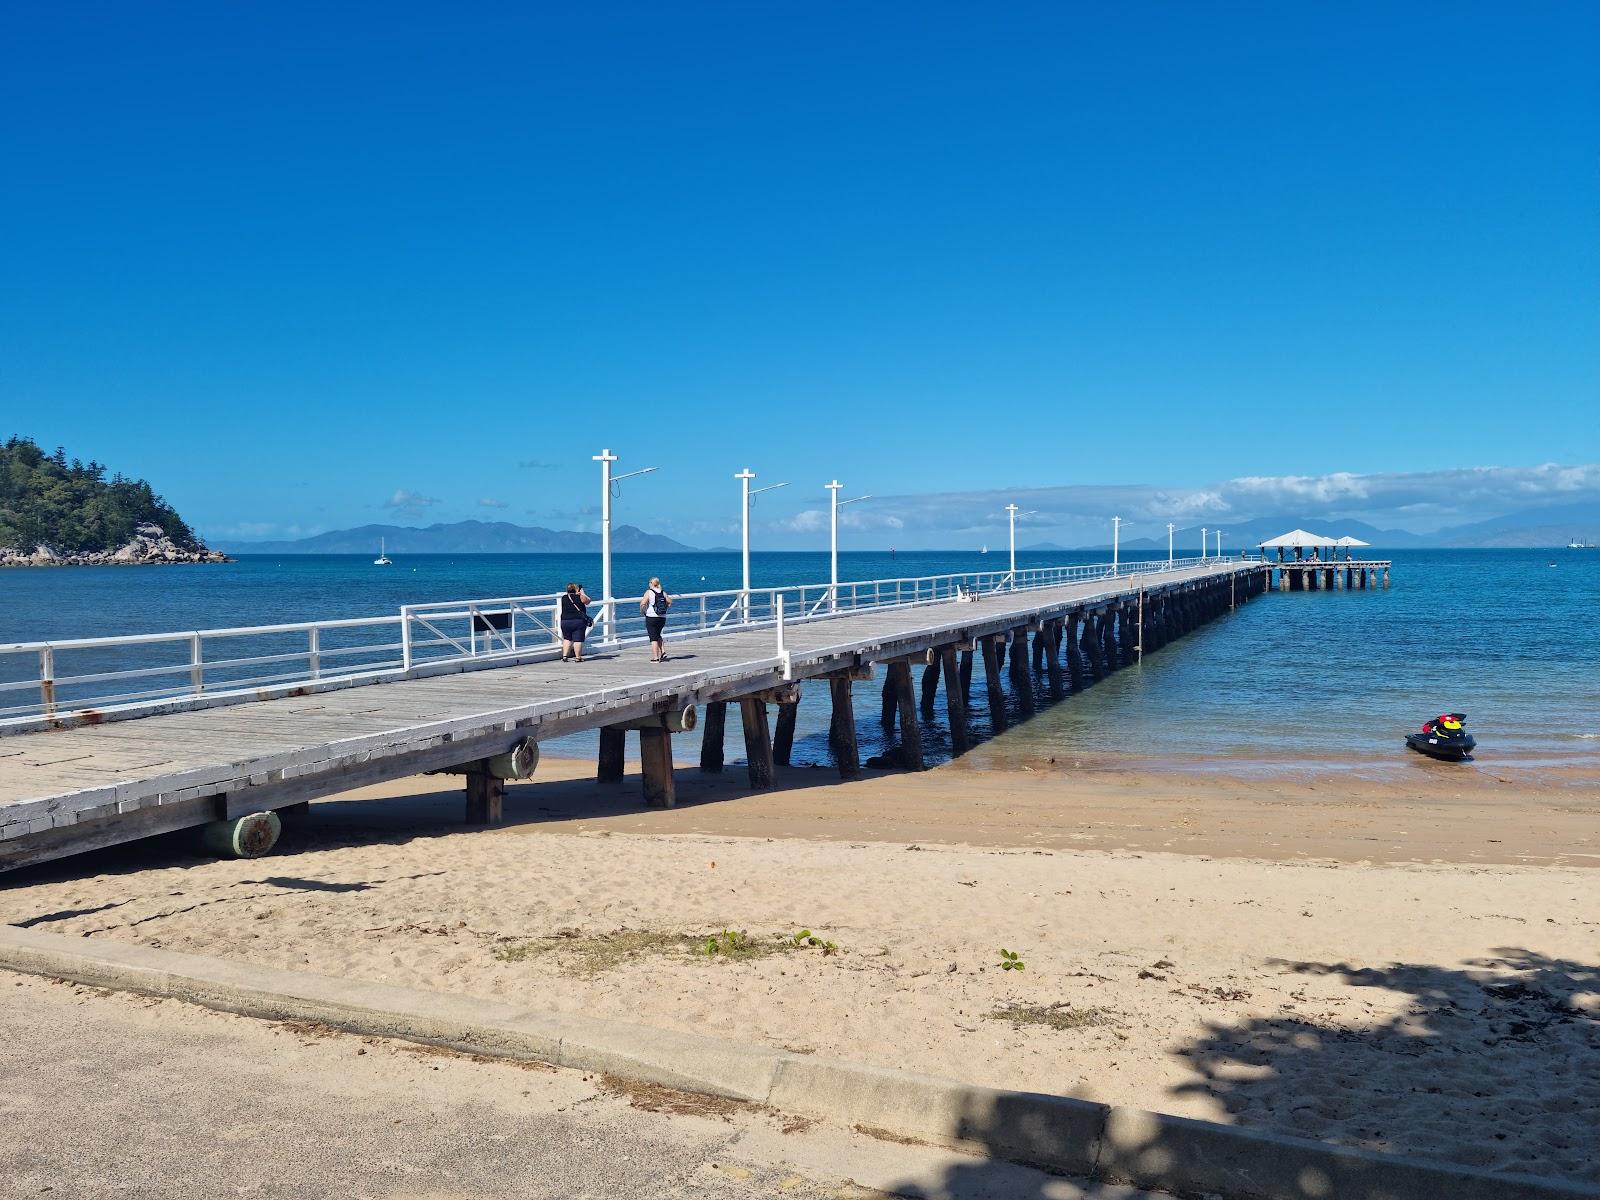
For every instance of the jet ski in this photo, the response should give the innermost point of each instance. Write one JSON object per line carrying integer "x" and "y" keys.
{"x": 1443, "y": 737}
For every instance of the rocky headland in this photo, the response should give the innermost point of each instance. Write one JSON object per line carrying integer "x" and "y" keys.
{"x": 149, "y": 546}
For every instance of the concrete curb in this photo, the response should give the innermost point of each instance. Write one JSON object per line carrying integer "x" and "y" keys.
{"x": 1117, "y": 1145}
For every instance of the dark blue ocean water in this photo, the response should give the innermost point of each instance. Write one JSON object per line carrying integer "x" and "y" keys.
{"x": 1509, "y": 637}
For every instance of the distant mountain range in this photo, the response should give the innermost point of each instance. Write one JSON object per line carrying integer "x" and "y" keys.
{"x": 468, "y": 537}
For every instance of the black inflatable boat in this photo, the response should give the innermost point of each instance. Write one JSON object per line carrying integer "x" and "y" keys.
{"x": 1444, "y": 737}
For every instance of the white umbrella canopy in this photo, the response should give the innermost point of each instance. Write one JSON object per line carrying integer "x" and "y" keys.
{"x": 1296, "y": 537}
{"x": 1350, "y": 541}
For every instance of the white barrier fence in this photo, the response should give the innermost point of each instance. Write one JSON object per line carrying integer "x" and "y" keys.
{"x": 82, "y": 676}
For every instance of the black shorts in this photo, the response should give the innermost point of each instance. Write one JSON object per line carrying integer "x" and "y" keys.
{"x": 653, "y": 626}
{"x": 573, "y": 630}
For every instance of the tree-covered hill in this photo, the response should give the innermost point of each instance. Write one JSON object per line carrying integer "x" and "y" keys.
{"x": 71, "y": 507}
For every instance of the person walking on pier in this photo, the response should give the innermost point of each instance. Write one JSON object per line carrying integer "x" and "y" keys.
{"x": 575, "y": 621}
{"x": 654, "y": 604}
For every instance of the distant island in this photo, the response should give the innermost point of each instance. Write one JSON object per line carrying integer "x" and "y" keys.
{"x": 468, "y": 537}
{"x": 55, "y": 512}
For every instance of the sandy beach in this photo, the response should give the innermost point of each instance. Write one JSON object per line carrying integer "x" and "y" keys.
{"x": 1412, "y": 967}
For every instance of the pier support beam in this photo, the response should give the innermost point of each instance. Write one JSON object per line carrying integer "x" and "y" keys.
{"x": 910, "y": 730}
{"x": 991, "y": 679}
{"x": 954, "y": 702}
{"x": 486, "y": 793}
{"x": 249, "y": 836}
{"x": 712, "y": 735}
{"x": 930, "y": 685}
{"x": 966, "y": 675}
{"x": 1051, "y": 638}
{"x": 655, "y": 763}
{"x": 613, "y": 745}
{"x": 1074, "y": 651}
{"x": 783, "y": 735}
{"x": 889, "y": 702}
{"x": 757, "y": 742}
{"x": 1021, "y": 677}
{"x": 842, "y": 730}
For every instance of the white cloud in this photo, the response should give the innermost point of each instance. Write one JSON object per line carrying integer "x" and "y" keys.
{"x": 491, "y": 502}
{"x": 409, "y": 501}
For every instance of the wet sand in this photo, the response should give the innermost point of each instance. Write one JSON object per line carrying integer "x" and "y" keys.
{"x": 1411, "y": 968}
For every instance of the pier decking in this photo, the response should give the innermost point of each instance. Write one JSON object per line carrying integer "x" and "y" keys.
{"x": 65, "y": 790}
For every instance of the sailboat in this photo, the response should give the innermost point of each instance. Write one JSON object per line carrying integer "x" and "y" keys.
{"x": 985, "y": 550}
{"x": 383, "y": 559}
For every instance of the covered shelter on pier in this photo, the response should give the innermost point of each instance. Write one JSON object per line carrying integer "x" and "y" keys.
{"x": 1347, "y": 543}
{"x": 1298, "y": 540}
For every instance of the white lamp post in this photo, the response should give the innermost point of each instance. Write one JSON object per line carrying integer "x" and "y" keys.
{"x": 744, "y": 477}
{"x": 1011, "y": 511}
{"x": 833, "y": 541}
{"x": 1116, "y": 539}
{"x": 1202, "y": 543}
{"x": 1170, "y": 528}
{"x": 607, "y": 604}
{"x": 1219, "y": 543}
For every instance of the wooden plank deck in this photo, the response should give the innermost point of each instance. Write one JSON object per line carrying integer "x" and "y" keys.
{"x": 224, "y": 761}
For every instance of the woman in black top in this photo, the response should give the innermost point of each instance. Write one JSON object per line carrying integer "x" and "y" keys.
{"x": 575, "y": 621}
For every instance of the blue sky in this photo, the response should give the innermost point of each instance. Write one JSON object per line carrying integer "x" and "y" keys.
{"x": 307, "y": 267}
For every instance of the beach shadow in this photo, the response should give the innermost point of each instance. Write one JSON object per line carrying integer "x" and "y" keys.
{"x": 1495, "y": 1065}
{"x": 1491, "y": 1065}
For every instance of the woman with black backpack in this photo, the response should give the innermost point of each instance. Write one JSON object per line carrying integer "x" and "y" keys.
{"x": 575, "y": 621}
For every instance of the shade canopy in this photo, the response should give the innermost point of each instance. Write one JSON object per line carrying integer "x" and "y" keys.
{"x": 1296, "y": 537}
{"x": 1350, "y": 541}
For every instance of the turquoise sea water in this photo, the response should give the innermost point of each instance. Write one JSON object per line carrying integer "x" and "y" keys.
{"x": 1509, "y": 637}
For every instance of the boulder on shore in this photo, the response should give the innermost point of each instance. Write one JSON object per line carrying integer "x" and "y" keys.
{"x": 149, "y": 546}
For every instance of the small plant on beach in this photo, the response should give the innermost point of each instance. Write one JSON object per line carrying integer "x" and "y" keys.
{"x": 1009, "y": 961}
{"x": 805, "y": 938}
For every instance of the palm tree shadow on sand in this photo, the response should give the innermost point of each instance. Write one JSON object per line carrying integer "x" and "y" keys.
{"x": 1494, "y": 1066}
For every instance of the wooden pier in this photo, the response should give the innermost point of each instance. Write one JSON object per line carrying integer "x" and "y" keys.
{"x": 1311, "y": 575}
{"x": 72, "y": 789}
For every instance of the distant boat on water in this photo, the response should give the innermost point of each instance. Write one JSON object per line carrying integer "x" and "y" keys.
{"x": 383, "y": 559}
{"x": 985, "y": 550}
{"x": 1580, "y": 544}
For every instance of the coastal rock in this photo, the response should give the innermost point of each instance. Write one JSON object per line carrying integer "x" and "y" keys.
{"x": 149, "y": 546}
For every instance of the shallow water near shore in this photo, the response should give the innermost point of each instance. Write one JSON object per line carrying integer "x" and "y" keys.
{"x": 1331, "y": 678}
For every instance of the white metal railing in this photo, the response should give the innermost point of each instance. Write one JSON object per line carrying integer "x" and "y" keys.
{"x": 48, "y": 678}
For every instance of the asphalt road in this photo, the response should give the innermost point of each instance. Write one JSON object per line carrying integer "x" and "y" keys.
{"x": 107, "y": 1095}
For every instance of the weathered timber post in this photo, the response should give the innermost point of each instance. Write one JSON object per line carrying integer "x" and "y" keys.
{"x": 842, "y": 731}
{"x": 1021, "y": 678}
{"x": 757, "y": 741}
{"x": 655, "y": 764}
{"x": 966, "y": 675}
{"x": 1128, "y": 629}
{"x": 930, "y": 685}
{"x": 249, "y": 836}
{"x": 954, "y": 702}
{"x": 1108, "y": 635}
{"x": 486, "y": 793}
{"x": 613, "y": 745}
{"x": 889, "y": 702}
{"x": 991, "y": 679}
{"x": 1093, "y": 646}
{"x": 910, "y": 730}
{"x": 783, "y": 735}
{"x": 1051, "y": 637}
{"x": 1074, "y": 650}
{"x": 711, "y": 736}
{"x": 1041, "y": 645}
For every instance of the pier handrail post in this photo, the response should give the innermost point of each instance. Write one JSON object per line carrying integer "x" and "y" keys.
{"x": 47, "y": 680}
{"x": 197, "y": 670}
{"x": 405, "y": 638}
{"x": 783, "y": 653}
{"x": 314, "y": 651}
